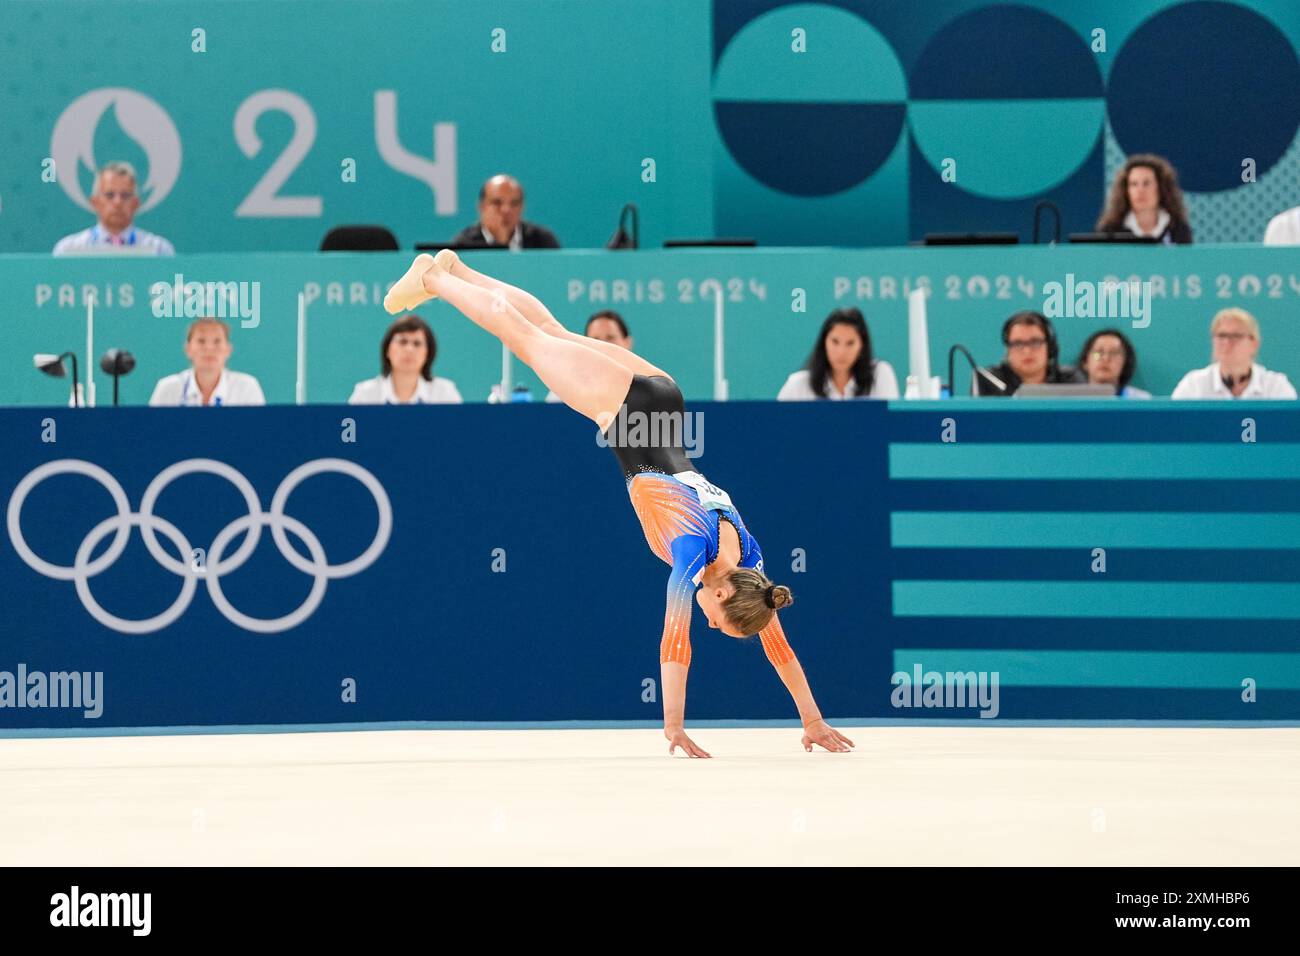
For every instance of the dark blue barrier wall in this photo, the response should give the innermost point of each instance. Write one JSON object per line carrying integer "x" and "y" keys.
{"x": 974, "y": 554}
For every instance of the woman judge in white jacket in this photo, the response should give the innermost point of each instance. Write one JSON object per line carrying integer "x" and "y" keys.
{"x": 842, "y": 365}
{"x": 406, "y": 362}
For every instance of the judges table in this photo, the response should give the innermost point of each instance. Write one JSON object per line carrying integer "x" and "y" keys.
{"x": 336, "y": 565}
{"x": 773, "y": 304}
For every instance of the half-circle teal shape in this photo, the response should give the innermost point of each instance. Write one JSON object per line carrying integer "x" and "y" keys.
{"x": 847, "y": 60}
{"x": 1007, "y": 149}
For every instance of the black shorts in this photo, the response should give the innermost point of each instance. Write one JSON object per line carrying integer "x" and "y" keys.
{"x": 647, "y": 434}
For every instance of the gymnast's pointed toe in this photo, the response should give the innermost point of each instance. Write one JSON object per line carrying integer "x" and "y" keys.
{"x": 409, "y": 291}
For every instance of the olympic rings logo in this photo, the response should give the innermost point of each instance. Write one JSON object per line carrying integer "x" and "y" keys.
{"x": 218, "y": 564}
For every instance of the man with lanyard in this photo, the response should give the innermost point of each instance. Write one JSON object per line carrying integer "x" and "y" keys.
{"x": 115, "y": 201}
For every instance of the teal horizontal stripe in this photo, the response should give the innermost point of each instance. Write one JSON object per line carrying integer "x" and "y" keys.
{"x": 1185, "y": 669}
{"x": 1081, "y": 529}
{"x": 1095, "y": 460}
{"x": 1103, "y": 599}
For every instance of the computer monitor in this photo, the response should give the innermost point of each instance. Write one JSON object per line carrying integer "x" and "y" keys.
{"x": 726, "y": 242}
{"x": 970, "y": 239}
{"x": 1122, "y": 235}
{"x": 455, "y": 247}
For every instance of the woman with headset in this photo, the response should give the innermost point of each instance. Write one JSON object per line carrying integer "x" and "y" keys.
{"x": 1031, "y": 359}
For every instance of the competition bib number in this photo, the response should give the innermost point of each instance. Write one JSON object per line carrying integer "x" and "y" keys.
{"x": 711, "y": 496}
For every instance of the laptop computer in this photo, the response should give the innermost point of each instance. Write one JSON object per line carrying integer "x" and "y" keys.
{"x": 1073, "y": 390}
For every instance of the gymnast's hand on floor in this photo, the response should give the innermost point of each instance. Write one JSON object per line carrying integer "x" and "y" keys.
{"x": 677, "y": 738}
{"x": 824, "y": 735}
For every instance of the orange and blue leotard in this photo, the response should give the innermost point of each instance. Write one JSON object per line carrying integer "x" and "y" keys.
{"x": 680, "y": 511}
{"x": 683, "y": 533}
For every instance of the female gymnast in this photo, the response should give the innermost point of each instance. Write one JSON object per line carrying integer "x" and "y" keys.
{"x": 689, "y": 523}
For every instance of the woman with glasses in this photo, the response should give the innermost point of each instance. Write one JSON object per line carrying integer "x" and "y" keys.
{"x": 1234, "y": 373}
{"x": 1031, "y": 358}
{"x": 1108, "y": 358}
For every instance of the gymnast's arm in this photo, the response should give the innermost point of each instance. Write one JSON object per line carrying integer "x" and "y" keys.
{"x": 675, "y": 648}
{"x": 781, "y": 655}
{"x": 779, "y": 652}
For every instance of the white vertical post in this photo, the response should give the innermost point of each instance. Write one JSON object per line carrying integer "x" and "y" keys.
{"x": 90, "y": 352}
{"x": 506, "y": 385}
{"x": 719, "y": 365}
{"x": 917, "y": 340}
{"x": 300, "y": 387}
{"x": 918, "y": 347}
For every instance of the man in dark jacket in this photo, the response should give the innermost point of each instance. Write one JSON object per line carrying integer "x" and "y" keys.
{"x": 500, "y": 222}
{"x": 1031, "y": 358}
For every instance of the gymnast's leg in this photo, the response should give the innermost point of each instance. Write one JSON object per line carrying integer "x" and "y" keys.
{"x": 584, "y": 379}
{"x": 532, "y": 309}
